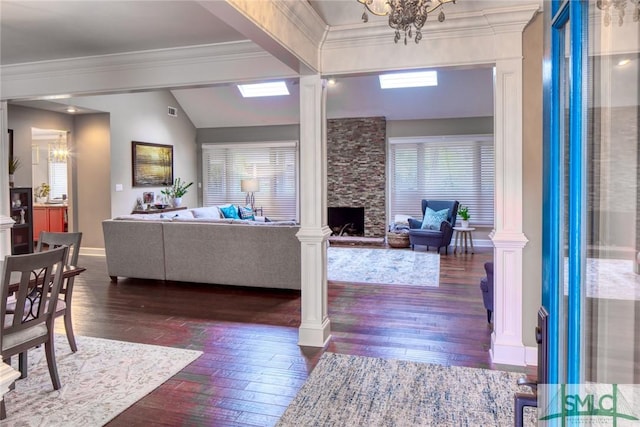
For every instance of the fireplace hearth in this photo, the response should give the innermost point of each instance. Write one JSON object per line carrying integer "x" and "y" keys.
{"x": 346, "y": 221}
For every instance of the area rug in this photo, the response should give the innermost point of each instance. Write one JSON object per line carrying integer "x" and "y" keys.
{"x": 347, "y": 390}
{"x": 610, "y": 279}
{"x": 99, "y": 381}
{"x": 383, "y": 266}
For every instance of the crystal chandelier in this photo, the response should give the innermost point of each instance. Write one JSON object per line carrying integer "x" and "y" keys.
{"x": 58, "y": 151}
{"x": 404, "y": 14}
{"x": 619, "y": 6}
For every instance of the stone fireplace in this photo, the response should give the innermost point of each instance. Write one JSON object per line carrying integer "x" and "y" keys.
{"x": 356, "y": 170}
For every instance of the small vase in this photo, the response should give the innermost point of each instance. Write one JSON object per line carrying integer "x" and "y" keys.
{"x": 11, "y": 180}
{"x": 177, "y": 201}
{"x": 464, "y": 223}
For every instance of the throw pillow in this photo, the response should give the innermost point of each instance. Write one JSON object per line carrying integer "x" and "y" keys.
{"x": 246, "y": 212}
{"x": 433, "y": 219}
{"x": 206, "y": 212}
{"x": 230, "y": 212}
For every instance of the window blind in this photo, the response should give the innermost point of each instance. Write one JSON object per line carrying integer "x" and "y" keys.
{"x": 444, "y": 168}
{"x": 273, "y": 164}
{"x": 57, "y": 179}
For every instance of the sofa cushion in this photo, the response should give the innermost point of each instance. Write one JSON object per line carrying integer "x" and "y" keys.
{"x": 142, "y": 217}
{"x": 206, "y": 212}
{"x": 177, "y": 214}
{"x": 433, "y": 219}
{"x": 230, "y": 211}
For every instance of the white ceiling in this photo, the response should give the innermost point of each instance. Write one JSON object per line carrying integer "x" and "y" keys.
{"x": 46, "y": 30}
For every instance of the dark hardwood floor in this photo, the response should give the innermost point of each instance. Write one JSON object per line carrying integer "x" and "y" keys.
{"x": 252, "y": 367}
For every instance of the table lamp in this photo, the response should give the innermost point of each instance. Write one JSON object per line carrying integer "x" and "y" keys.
{"x": 250, "y": 186}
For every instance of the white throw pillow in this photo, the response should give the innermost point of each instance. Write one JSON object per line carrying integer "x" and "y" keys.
{"x": 206, "y": 212}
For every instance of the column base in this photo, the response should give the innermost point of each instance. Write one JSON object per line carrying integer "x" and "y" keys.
{"x": 507, "y": 354}
{"x": 314, "y": 335}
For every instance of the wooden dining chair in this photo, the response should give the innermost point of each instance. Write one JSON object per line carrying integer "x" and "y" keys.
{"x": 35, "y": 281}
{"x": 51, "y": 240}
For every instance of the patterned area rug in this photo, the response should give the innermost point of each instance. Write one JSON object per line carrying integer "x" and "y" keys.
{"x": 361, "y": 391}
{"x": 383, "y": 266}
{"x": 100, "y": 381}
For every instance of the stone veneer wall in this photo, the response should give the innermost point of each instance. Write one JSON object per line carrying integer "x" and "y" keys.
{"x": 356, "y": 169}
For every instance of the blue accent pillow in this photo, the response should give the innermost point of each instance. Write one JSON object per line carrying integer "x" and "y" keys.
{"x": 230, "y": 212}
{"x": 246, "y": 212}
{"x": 433, "y": 219}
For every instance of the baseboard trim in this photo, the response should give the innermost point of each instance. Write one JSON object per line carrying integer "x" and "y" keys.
{"x": 92, "y": 251}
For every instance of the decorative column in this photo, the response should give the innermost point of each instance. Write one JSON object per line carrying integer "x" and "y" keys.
{"x": 5, "y": 220}
{"x": 315, "y": 328}
{"x": 508, "y": 239}
{"x": 7, "y": 374}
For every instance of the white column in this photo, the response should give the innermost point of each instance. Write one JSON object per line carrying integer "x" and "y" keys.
{"x": 315, "y": 328}
{"x": 508, "y": 239}
{"x": 7, "y": 374}
{"x": 5, "y": 220}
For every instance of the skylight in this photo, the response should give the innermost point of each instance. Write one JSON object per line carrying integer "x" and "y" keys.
{"x": 264, "y": 89}
{"x": 408, "y": 79}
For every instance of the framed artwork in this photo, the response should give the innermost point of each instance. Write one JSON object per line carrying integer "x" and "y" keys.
{"x": 152, "y": 164}
{"x": 148, "y": 197}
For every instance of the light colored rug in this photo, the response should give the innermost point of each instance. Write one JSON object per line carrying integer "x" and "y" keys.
{"x": 383, "y": 266}
{"x": 361, "y": 391}
{"x": 100, "y": 381}
{"x": 610, "y": 279}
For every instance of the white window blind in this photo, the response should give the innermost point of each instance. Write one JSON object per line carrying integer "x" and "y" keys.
{"x": 57, "y": 179}
{"x": 443, "y": 168}
{"x": 273, "y": 164}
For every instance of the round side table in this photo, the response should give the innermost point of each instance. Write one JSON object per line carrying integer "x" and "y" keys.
{"x": 463, "y": 236}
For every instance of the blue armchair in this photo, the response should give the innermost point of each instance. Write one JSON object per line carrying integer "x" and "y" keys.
{"x": 437, "y": 238}
{"x": 486, "y": 285}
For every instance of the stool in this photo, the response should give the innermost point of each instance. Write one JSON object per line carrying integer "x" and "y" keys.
{"x": 463, "y": 236}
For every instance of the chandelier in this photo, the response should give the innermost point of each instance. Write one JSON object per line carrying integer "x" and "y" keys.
{"x": 58, "y": 151}
{"x": 619, "y": 6}
{"x": 405, "y": 15}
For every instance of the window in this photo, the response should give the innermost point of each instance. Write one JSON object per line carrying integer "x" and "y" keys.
{"x": 57, "y": 179}
{"x": 273, "y": 164}
{"x": 446, "y": 168}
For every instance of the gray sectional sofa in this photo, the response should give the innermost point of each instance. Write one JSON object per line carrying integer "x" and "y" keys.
{"x": 186, "y": 248}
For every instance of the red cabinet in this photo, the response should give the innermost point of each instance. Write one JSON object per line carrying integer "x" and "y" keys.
{"x": 49, "y": 218}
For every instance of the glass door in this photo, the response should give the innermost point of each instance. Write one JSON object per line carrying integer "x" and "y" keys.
{"x": 591, "y": 259}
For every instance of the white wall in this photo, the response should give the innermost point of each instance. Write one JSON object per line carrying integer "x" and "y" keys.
{"x": 143, "y": 117}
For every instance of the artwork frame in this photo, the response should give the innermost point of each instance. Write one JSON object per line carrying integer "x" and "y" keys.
{"x": 151, "y": 164}
{"x": 148, "y": 197}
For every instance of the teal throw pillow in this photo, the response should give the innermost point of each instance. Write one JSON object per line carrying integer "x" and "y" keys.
{"x": 230, "y": 212}
{"x": 246, "y": 212}
{"x": 433, "y": 219}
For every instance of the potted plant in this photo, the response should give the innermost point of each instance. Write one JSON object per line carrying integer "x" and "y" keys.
{"x": 41, "y": 192}
{"x": 14, "y": 164}
{"x": 463, "y": 211}
{"x": 176, "y": 191}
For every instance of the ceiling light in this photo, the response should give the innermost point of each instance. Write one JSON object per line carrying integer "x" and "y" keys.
{"x": 264, "y": 89}
{"x": 404, "y": 14}
{"x": 71, "y": 109}
{"x": 410, "y": 79}
{"x": 331, "y": 82}
{"x": 624, "y": 62}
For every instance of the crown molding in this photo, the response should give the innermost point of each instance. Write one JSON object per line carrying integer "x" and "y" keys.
{"x": 161, "y": 68}
{"x": 468, "y": 24}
